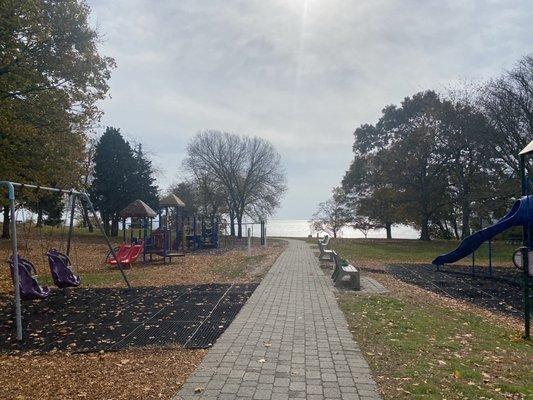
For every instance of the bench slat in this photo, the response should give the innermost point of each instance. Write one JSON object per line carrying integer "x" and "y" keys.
{"x": 349, "y": 268}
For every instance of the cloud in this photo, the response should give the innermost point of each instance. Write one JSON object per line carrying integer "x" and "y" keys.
{"x": 302, "y": 74}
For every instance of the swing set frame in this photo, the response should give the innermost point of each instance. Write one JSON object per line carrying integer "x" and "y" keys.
{"x": 73, "y": 194}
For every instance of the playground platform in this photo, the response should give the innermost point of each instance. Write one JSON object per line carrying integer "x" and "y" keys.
{"x": 289, "y": 341}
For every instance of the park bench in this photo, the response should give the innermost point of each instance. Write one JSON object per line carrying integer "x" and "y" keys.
{"x": 325, "y": 241}
{"x": 325, "y": 253}
{"x": 342, "y": 271}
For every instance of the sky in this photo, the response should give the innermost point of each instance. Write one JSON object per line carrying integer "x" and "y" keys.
{"x": 302, "y": 74}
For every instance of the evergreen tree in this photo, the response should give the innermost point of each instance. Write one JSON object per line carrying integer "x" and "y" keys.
{"x": 111, "y": 188}
{"x": 121, "y": 175}
{"x": 142, "y": 180}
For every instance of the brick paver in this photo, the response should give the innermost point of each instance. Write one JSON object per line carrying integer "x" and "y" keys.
{"x": 290, "y": 341}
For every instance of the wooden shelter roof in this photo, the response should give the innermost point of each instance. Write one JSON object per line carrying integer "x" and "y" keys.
{"x": 138, "y": 209}
{"x": 171, "y": 200}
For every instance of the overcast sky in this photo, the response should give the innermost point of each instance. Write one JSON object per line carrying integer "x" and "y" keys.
{"x": 302, "y": 74}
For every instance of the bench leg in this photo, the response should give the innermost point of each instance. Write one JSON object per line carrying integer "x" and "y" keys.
{"x": 335, "y": 273}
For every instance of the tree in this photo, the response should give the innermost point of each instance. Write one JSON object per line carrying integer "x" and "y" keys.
{"x": 187, "y": 191}
{"x": 49, "y": 208}
{"x": 405, "y": 156}
{"x": 363, "y": 225}
{"x": 51, "y": 77}
{"x": 247, "y": 170}
{"x": 473, "y": 170}
{"x": 331, "y": 215}
{"x": 141, "y": 180}
{"x": 121, "y": 175}
{"x": 49, "y": 47}
{"x": 369, "y": 192}
{"x": 201, "y": 196}
{"x": 508, "y": 104}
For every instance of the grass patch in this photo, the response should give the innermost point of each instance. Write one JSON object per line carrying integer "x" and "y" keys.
{"x": 422, "y": 350}
{"x": 97, "y": 279}
{"x": 416, "y": 251}
{"x": 240, "y": 268}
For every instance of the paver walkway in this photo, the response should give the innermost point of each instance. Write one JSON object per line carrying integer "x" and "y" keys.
{"x": 290, "y": 340}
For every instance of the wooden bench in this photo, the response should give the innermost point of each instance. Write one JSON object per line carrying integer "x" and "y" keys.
{"x": 325, "y": 253}
{"x": 342, "y": 271}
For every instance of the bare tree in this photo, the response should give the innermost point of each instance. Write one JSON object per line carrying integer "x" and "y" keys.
{"x": 363, "y": 225}
{"x": 246, "y": 170}
{"x": 508, "y": 103}
{"x": 331, "y": 215}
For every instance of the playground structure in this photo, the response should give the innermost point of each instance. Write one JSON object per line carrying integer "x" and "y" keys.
{"x": 201, "y": 232}
{"x": 141, "y": 216}
{"x": 166, "y": 241}
{"x": 25, "y": 285}
{"x": 521, "y": 214}
{"x": 175, "y": 234}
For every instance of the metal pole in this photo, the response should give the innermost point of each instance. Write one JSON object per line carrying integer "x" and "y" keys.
{"x": 490, "y": 257}
{"x": 72, "y": 201}
{"x": 525, "y": 252}
{"x": 16, "y": 278}
{"x": 111, "y": 249}
{"x": 50, "y": 189}
{"x": 249, "y": 242}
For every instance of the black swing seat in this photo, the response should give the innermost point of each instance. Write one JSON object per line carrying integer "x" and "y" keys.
{"x": 28, "y": 285}
{"x": 61, "y": 269}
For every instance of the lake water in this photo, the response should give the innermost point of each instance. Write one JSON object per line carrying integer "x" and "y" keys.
{"x": 301, "y": 228}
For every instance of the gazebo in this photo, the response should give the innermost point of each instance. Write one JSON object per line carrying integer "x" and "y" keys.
{"x": 141, "y": 215}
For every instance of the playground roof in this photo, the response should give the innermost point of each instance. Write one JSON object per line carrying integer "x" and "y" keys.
{"x": 171, "y": 200}
{"x": 138, "y": 209}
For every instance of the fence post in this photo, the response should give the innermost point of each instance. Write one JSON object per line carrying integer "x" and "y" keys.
{"x": 249, "y": 242}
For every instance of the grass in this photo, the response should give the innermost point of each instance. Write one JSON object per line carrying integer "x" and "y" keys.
{"x": 420, "y": 345}
{"x": 421, "y": 350}
{"x": 92, "y": 279}
{"x": 88, "y": 254}
{"x": 416, "y": 251}
{"x": 239, "y": 268}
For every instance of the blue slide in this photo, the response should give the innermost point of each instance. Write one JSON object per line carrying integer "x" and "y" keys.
{"x": 520, "y": 214}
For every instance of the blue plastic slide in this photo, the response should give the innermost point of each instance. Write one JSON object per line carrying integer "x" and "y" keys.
{"x": 520, "y": 214}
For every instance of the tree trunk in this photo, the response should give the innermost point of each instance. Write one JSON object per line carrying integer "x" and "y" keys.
{"x": 334, "y": 233}
{"x": 114, "y": 226}
{"x": 86, "y": 219}
{"x": 232, "y": 223}
{"x": 424, "y": 229}
{"x": 7, "y": 220}
{"x": 453, "y": 221}
{"x": 465, "y": 228}
{"x": 388, "y": 229}
{"x": 239, "y": 226}
{"x": 444, "y": 231}
{"x": 105, "y": 222}
{"x": 39, "y": 216}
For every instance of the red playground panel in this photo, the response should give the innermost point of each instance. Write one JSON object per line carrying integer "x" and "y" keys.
{"x": 127, "y": 254}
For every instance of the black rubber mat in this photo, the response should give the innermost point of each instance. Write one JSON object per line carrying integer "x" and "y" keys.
{"x": 501, "y": 292}
{"x": 90, "y": 320}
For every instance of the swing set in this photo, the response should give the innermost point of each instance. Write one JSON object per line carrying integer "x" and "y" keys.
{"x": 25, "y": 285}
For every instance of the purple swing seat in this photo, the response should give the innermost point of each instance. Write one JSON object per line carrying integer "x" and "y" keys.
{"x": 61, "y": 269}
{"x": 29, "y": 287}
